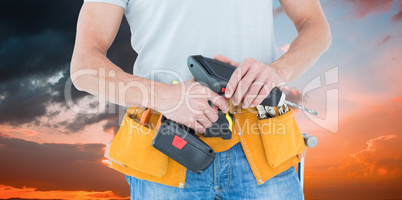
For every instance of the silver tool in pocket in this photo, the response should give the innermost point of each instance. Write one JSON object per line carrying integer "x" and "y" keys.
{"x": 262, "y": 114}
{"x": 271, "y": 111}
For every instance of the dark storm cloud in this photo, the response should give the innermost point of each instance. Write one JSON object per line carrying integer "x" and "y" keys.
{"x": 397, "y": 17}
{"x": 36, "y": 42}
{"x": 38, "y": 55}
{"x": 83, "y": 120}
{"x": 25, "y": 100}
{"x": 33, "y": 17}
{"x": 64, "y": 167}
{"x": 36, "y": 38}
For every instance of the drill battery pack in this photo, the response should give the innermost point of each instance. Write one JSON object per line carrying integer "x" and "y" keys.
{"x": 183, "y": 145}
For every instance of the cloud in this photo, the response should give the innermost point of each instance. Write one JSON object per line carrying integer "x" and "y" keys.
{"x": 23, "y": 102}
{"x": 397, "y": 17}
{"x": 363, "y": 8}
{"x": 384, "y": 40}
{"x": 26, "y": 100}
{"x": 8, "y": 192}
{"x": 66, "y": 167}
{"x": 362, "y": 160}
{"x": 81, "y": 121}
{"x": 33, "y": 49}
{"x": 35, "y": 54}
{"x": 25, "y": 132}
{"x": 397, "y": 99}
{"x": 40, "y": 44}
{"x": 376, "y": 162}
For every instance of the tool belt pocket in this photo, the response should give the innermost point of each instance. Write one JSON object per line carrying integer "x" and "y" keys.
{"x": 131, "y": 147}
{"x": 281, "y": 138}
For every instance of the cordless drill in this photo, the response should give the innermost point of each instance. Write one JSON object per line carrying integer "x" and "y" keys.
{"x": 181, "y": 143}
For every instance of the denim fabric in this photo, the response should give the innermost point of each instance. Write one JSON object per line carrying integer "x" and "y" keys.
{"x": 229, "y": 177}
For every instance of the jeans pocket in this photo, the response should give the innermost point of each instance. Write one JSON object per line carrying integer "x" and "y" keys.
{"x": 281, "y": 138}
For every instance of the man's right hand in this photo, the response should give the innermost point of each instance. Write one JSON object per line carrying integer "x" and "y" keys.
{"x": 187, "y": 103}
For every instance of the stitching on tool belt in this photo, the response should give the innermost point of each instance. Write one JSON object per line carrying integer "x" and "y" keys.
{"x": 251, "y": 111}
{"x": 248, "y": 153}
{"x": 181, "y": 175}
{"x": 251, "y": 157}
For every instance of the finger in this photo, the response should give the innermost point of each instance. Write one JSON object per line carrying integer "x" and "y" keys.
{"x": 204, "y": 121}
{"x": 226, "y": 60}
{"x": 252, "y": 94}
{"x": 243, "y": 86}
{"x": 254, "y": 90}
{"x": 263, "y": 93}
{"x": 211, "y": 115}
{"x": 257, "y": 100}
{"x": 199, "y": 128}
{"x": 236, "y": 77}
{"x": 219, "y": 101}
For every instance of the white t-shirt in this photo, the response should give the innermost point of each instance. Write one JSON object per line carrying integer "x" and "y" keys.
{"x": 166, "y": 32}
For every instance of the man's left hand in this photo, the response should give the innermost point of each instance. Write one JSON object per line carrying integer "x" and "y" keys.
{"x": 251, "y": 82}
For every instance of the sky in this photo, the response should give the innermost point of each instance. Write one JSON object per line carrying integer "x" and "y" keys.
{"x": 48, "y": 151}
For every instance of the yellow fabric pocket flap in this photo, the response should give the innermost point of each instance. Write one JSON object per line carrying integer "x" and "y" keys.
{"x": 281, "y": 138}
{"x": 132, "y": 148}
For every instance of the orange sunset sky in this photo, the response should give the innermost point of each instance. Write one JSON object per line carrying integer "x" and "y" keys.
{"x": 48, "y": 151}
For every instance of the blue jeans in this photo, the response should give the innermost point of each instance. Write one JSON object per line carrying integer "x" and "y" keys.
{"x": 229, "y": 177}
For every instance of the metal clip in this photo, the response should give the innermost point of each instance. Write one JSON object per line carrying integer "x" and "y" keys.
{"x": 285, "y": 108}
{"x": 280, "y": 110}
{"x": 271, "y": 111}
{"x": 262, "y": 114}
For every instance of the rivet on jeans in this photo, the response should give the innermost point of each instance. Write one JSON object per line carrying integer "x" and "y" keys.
{"x": 261, "y": 181}
{"x": 180, "y": 185}
{"x": 240, "y": 133}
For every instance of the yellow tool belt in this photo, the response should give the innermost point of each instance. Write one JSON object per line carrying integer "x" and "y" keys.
{"x": 270, "y": 145}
